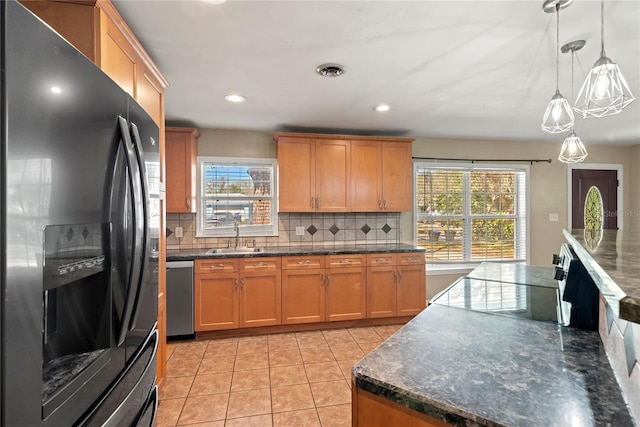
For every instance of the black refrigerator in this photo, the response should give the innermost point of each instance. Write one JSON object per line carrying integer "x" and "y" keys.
{"x": 79, "y": 215}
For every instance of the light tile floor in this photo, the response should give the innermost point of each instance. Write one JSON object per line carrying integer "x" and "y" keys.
{"x": 292, "y": 379}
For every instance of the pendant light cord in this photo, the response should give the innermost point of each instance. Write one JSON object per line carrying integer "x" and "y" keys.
{"x": 558, "y": 46}
{"x": 602, "y": 26}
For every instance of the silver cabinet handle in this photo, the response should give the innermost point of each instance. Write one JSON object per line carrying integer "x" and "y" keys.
{"x": 384, "y": 203}
{"x": 328, "y": 279}
{"x": 399, "y": 276}
{"x": 412, "y": 258}
{"x": 188, "y": 202}
{"x": 379, "y": 202}
{"x": 345, "y": 261}
{"x": 304, "y": 262}
{"x": 317, "y": 203}
{"x": 313, "y": 205}
{"x": 214, "y": 266}
{"x": 395, "y": 276}
{"x": 235, "y": 284}
{"x": 241, "y": 283}
{"x": 260, "y": 264}
{"x": 382, "y": 259}
{"x": 322, "y": 279}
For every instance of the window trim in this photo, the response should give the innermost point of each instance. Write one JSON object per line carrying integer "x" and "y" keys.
{"x": 467, "y": 266}
{"x": 258, "y": 161}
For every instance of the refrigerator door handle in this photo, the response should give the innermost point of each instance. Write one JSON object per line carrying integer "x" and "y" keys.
{"x": 138, "y": 228}
{"x": 143, "y": 204}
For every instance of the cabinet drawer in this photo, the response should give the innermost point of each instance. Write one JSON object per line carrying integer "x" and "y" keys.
{"x": 341, "y": 261}
{"x": 375, "y": 260}
{"x": 260, "y": 264}
{"x": 414, "y": 258}
{"x": 302, "y": 262}
{"x": 216, "y": 265}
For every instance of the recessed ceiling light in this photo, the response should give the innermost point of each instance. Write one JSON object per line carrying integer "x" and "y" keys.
{"x": 382, "y": 108}
{"x": 330, "y": 70}
{"x": 235, "y": 98}
{"x": 56, "y": 89}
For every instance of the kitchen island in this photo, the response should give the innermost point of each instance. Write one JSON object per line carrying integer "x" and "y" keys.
{"x": 470, "y": 368}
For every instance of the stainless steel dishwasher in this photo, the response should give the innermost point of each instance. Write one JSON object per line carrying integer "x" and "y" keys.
{"x": 180, "y": 314}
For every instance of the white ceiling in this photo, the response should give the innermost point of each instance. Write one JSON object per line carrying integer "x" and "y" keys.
{"x": 448, "y": 68}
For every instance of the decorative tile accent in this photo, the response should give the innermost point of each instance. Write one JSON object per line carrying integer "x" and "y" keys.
{"x": 312, "y": 230}
{"x": 85, "y": 233}
{"x": 334, "y": 229}
{"x": 386, "y": 228}
{"x": 70, "y": 234}
{"x": 629, "y": 349}
{"x": 610, "y": 317}
{"x": 366, "y": 229}
{"x": 169, "y": 232}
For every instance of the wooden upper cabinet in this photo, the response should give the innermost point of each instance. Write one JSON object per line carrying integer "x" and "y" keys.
{"x": 97, "y": 30}
{"x": 181, "y": 153}
{"x": 332, "y": 175}
{"x": 381, "y": 174}
{"x": 341, "y": 173}
{"x": 396, "y": 176}
{"x": 313, "y": 174}
{"x": 296, "y": 174}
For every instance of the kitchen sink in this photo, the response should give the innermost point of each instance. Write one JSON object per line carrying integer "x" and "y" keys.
{"x": 238, "y": 250}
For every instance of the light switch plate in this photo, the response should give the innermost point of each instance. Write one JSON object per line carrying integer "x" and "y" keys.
{"x": 553, "y": 217}
{"x": 299, "y": 231}
{"x": 178, "y": 232}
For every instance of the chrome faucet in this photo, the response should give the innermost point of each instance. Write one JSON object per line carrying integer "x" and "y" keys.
{"x": 236, "y": 228}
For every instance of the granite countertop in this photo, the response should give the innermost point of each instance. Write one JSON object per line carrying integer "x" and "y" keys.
{"x": 613, "y": 264}
{"x": 269, "y": 251}
{"x": 470, "y": 368}
{"x": 515, "y": 273}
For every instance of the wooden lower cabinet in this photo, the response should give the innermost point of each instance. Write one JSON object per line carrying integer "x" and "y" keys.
{"x": 370, "y": 410}
{"x": 242, "y": 293}
{"x": 312, "y": 293}
{"x": 260, "y": 292}
{"x": 396, "y": 285}
{"x": 346, "y": 288}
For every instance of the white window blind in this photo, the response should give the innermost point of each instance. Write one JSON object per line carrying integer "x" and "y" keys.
{"x": 236, "y": 191}
{"x": 469, "y": 214}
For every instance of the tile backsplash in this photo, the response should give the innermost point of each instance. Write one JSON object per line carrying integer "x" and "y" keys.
{"x": 319, "y": 229}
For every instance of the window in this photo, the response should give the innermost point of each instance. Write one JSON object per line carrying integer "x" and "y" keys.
{"x": 469, "y": 214}
{"x": 236, "y": 191}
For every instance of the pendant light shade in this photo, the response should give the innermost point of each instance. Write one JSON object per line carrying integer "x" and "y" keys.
{"x": 605, "y": 91}
{"x": 558, "y": 117}
{"x": 573, "y": 150}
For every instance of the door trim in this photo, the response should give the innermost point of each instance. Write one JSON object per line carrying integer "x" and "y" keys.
{"x": 605, "y": 166}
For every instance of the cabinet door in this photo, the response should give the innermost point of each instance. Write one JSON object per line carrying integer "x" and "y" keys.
{"x": 181, "y": 149}
{"x": 150, "y": 94}
{"x": 381, "y": 292}
{"x": 365, "y": 176}
{"x": 216, "y": 301}
{"x": 411, "y": 290}
{"x": 396, "y": 176}
{"x": 332, "y": 187}
{"x": 296, "y": 174}
{"x": 346, "y": 293}
{"x": 118, "y": 59}
{"x": 303, "y": 296}
{"x": 260, "y": 292}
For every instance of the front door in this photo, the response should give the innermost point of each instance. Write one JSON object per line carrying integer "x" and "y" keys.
{"x": 606, "y": 181}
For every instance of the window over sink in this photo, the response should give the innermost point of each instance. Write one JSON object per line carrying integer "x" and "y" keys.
{"x": 466, "y": 214}
{"x": 236, "y": 192}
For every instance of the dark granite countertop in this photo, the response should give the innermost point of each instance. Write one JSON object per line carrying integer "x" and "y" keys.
{"x": 612, "y": 262}
{"x": 477, "y": 369}
{"x": 515, "y": 273}
{"x": 269, "y": 251}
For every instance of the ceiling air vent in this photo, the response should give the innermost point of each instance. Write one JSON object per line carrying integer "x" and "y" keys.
{"x": 330, "y": 70}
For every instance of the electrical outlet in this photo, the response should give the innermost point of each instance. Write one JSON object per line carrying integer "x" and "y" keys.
{"x": 553, "y": 217}
{"x": 178, "y": 232}
{"x": 299, "y": 231}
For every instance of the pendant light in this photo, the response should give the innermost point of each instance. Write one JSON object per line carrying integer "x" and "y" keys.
{"x": 558, "y": 116}
{"x": 605, "y": 91}
{"x": 573, "y": 150}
